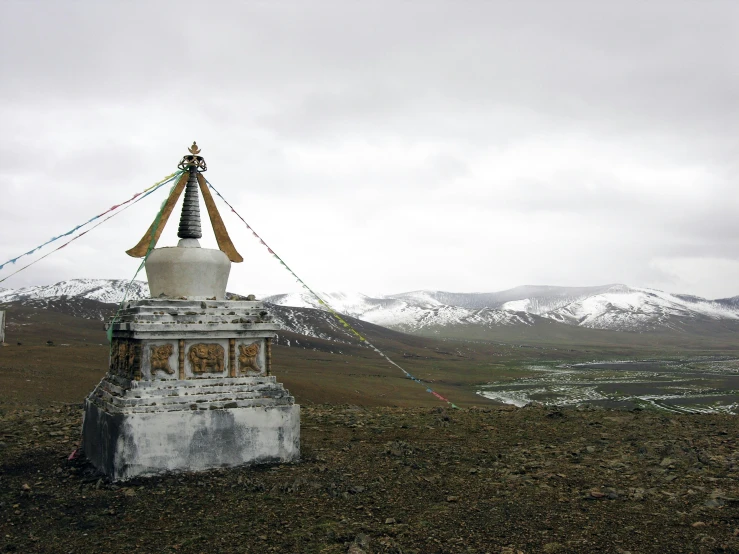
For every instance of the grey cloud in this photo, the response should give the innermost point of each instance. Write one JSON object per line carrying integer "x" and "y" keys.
{"x": 430, "y": 130}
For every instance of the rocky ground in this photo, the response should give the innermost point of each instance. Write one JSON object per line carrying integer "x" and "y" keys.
{"x": 385, "y": 480}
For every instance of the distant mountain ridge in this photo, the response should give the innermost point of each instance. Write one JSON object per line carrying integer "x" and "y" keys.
{"x": 109, "y": 291}
{"x": 613, "y": 307}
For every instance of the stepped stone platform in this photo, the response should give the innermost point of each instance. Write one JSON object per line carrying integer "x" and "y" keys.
{"x": 188, "y": 389}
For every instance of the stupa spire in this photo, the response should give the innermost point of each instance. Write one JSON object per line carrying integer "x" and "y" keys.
{"x": 190, "y": 216}
{"x": 192, "y": 165}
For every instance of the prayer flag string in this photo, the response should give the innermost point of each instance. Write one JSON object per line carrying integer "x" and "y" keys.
{"x": 140, "y": 196}
{"x": 326, "y": 305}
{"x": 152, "y": 244}
{"x": 112, "y": 208}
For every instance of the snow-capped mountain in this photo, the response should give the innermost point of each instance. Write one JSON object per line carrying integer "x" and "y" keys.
{"x": 624, "y": 308}
{"x": 408, "y": 312}
{"x": 98, "y": 299}
{"x": 109, "y": 291}
{"x": 614, "y": 307}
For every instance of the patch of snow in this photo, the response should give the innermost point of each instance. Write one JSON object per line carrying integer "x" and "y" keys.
{"x": 518, "y": 305}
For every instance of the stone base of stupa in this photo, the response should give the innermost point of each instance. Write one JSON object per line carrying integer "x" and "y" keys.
{"x": 189, "y": 389}
{"x": 138, "y": 429}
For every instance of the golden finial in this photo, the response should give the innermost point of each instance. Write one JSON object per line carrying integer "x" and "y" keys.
{"x": 192, "y": 160}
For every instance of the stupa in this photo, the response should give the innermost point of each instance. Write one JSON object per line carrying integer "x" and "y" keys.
{"x": 189, "y": 384}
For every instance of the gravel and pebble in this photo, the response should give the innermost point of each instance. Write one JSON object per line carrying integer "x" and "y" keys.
{"x": 395, "y": 480}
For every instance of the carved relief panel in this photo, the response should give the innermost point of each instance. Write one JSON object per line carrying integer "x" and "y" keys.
{"x": 251, "y": 358}
{"x": 160, "y": 360}
{"x": 134, "y": 360}
{"x": 125, "y": 358}
{"x": 118, "y": 356}
{"x": 206, "y": 358}
{"x": 188, "y": 359}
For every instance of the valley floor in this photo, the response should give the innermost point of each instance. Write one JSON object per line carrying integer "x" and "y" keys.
{"x": 381, "y": 480}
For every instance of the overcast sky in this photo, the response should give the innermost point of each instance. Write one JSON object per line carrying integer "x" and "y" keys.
{"x": 384, "y": 147}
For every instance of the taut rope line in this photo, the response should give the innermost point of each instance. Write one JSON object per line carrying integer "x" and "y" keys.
{"x": 135, "y": 198}
{"x": 327, "y": 305}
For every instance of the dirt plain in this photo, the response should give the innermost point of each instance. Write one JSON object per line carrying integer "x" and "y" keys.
{"x": 385, "y": 467}
{"x": 383, "y": 480}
